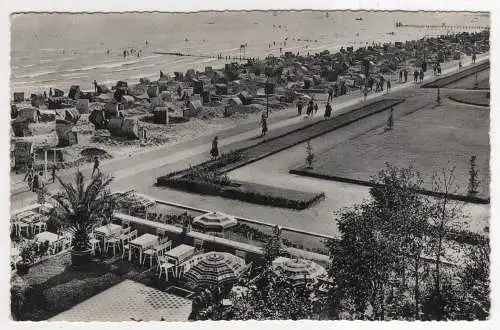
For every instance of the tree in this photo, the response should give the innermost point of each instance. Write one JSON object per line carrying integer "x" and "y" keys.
{"x": 274, "y": 298}
{"x": 446, "y": 217}
{"x": 310, "y": 155}
{"x": 473, "y": 174}
{"x": 79, "y": 206}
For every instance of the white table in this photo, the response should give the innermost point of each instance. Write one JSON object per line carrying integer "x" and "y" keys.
{"x": 142, "y": 243}
{"x": 179, "y": 254}
{"x": 108, "y": 230}
{"x": 52, "y": 238}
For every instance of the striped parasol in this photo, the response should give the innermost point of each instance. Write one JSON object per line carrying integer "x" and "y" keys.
{"x": 216, "y": 268}
{"x": 298, "y": 269}
{"x": 214, "y": 221}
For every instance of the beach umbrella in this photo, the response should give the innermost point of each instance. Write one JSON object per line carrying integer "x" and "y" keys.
{"x": 298, "y": 270}
{"x": 215, "y": 268}
{"x": 214, "y": 221}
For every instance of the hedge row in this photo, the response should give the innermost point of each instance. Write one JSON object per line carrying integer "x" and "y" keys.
{"x": 246, "y": 193}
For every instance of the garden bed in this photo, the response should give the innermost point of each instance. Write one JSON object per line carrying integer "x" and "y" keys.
{"x": 247, "y": 192}
{"x": 476, "y": 98}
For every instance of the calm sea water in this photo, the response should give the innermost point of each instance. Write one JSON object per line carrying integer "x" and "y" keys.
{"x": 60, "y": 50}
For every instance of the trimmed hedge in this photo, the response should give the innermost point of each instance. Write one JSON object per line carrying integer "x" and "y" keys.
{"x": 251, "y": 193}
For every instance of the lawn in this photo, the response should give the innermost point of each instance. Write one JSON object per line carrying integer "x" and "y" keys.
{"x": 475, "y": 98}
{"x": 430, "y": 140}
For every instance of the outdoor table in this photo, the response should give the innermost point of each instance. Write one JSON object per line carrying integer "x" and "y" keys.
{"x": 29, "y": 217}
{"x": 108, "y": 230}
{"x": 52, "y": 238}
{"x": 180, "y": 254}
{"x": 142, "y": 243}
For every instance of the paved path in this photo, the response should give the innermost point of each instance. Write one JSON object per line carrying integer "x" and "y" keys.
{"x": 180, "y": 155}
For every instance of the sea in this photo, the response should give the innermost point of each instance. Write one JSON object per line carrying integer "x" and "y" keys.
{"x": 59, "y": 50}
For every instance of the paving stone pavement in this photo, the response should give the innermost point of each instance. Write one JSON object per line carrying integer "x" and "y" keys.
{"x": 128, "y": 301}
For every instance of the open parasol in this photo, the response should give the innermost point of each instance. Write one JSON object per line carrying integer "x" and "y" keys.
{"x": 296, "y": 270}
{"x": 216, "y": 268}
{"x": 214, "y": 221}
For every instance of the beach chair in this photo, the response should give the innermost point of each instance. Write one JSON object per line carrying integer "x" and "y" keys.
{"x": 125, "y": 246}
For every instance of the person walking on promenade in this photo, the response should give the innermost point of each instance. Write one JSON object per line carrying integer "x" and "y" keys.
{"x": 434, "y": 69}
{"x": 421, "y": 75}
{"x": 400, "y": 75}
{"x": 96, "y": 166}
{"x": 214, "y": 152}
{"x": 263, "y": 123}
{"x": 415, "y": 76}
{"x": 36, "y": 183}
{"x": 310, "y": 108}
{"x": 328, "y": 110}
{"x": 330, "y": 94}
{"x": 388, "y": 85}
{"x": 406, "y": 75}
{"x": 53, "y": 173}
{"x": 365, "y": 92}
{"x": 96, "y": 86}
{"x": 50, "y": 92}
{"x": 439, "y": 69}
{"x": 473, "y": 57}
{"x": 44, "y": 95}
{"x": 316, "y": 108}
{"x": 299, "y": 108}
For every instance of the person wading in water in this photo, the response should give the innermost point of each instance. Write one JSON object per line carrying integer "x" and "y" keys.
{"x": 214, "y": 152}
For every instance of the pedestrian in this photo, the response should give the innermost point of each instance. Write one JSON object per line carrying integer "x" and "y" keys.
{"x": 400, "y": 75}
{"x": 263, "y": 123}
{"x": 388, "y": 85}
{"x": 330, "y": 94}
{"x": 421, "y": 75}
{"x": 406, "y": 75}
{"x": 35, "y": 185}
{"x": 44, "y": 95}
{"x": 96, "y": 166}
{"x": 50, "y": 92}
{"x": 299, "y": 108}
{"x": 214, "y": 152}
{"x": 328, "y": 110}
{"x": 96, "y": 86}
{"x": 473, "y": 57}
{"x": 54, "y": 169}
{"x": 29, "y": 173}
{"x": 365, "y": 92}
{"x": 434, "y": 69}
{"x": 316, "y": 108}
{"x": 439, "y": 69}
{"x": 415, "y": 76}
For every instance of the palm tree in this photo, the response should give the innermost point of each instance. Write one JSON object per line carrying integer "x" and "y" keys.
{"x": 79, "y": 206}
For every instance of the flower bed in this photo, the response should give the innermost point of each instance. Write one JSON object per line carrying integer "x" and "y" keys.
{"x": 247, "y": 192}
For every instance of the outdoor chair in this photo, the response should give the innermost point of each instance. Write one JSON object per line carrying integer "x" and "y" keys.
{"x": 20, "y": 226}
{"x": 198, "y": 245}
{"x": 95, "y": 243}
{"x": 112, "y": 242}
{"x": 126, "y": 240}
{"x": 125, "y": 230}
{"x": 160, "y": 233}
{"x": 164, "y": 267}
{"x": 125, "y": 223}
{"x": 150, "y": 254}
{"x": 40, "y": 226}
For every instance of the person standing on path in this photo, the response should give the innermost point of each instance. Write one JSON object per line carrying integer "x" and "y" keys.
{"x": 263, "y": 123}
{"x": 365, "y": 92}
{"x": 50, "y": 92}
{"x": 474, "y": 57}
{"x": 421, "y": 75}
{"x": 299, "y": 108}
{"x": 406, "y": 75}
{"x": 96, "y": 86}
{"x": 36, "y": 183}
{"x": 328, "y": 110}
{"x": 388, "y": 85}
{"x": 415, "y": 76}
{"x": 400, "y": 75}
{"x": 53, "y": 173}
{"x": 214, "y": 152}
{"x": 96, "y": 166}
{"x": 330, "y": 94}
{"x": 316, "y": 108}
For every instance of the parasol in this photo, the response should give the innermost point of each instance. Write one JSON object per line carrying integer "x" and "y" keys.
{"x": 214, "y": 221}
{"x": 296, "y": 270}
{"x": 216, "y": 268}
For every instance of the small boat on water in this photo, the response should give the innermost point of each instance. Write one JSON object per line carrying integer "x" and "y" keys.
{"x": 211, "y": 23}
{"x": 359, "y": 18}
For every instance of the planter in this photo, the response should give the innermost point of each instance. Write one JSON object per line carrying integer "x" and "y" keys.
{"x": 22, "y": 268}
{"x": 81, "y": 259}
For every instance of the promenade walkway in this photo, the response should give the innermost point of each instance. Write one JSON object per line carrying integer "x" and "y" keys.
{"x": 196, "y": 151}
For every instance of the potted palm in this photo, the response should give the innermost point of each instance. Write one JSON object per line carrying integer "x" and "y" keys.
{"x": 79, "y": 206}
